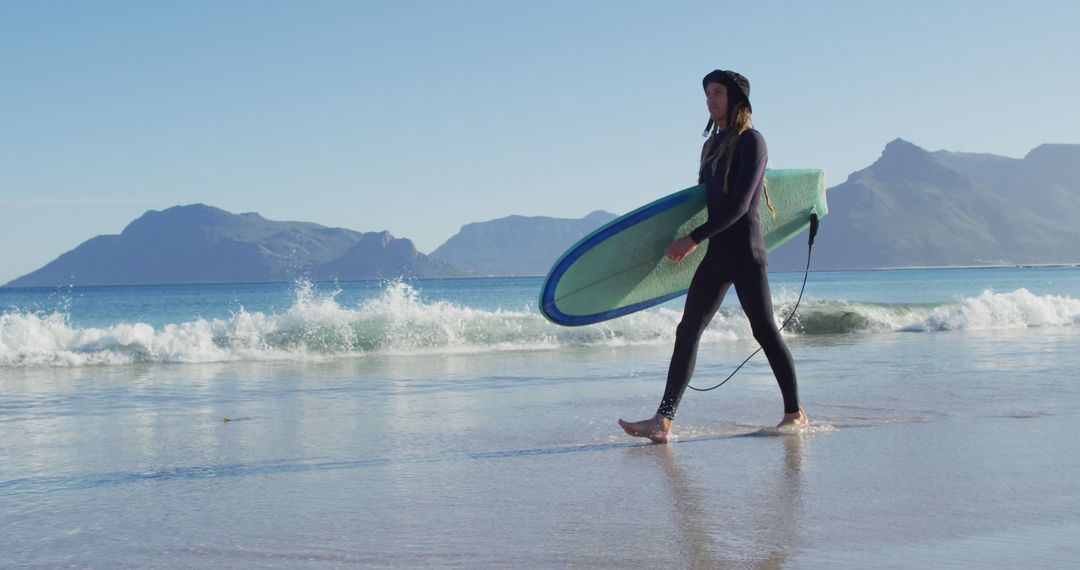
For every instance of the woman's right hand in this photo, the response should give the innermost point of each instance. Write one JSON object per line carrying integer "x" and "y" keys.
{"x": 680, "y": 248}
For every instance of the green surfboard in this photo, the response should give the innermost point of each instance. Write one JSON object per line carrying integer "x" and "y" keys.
{"x": 620, "y": 268}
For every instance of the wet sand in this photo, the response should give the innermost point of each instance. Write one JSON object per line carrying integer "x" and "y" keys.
{"x": 945, "y": 451}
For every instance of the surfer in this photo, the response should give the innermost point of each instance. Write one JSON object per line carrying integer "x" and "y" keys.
{"x": 733, "y": 171}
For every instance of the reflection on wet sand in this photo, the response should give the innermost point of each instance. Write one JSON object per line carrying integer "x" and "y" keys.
{"x": 762, "y": 531}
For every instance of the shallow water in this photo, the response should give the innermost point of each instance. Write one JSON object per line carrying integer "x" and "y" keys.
{"x": 932, "y": 447}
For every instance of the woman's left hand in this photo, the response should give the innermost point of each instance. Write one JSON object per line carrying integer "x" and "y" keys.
{"x": 680, "y": 248}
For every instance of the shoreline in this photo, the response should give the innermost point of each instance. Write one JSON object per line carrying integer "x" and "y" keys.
{"x": 995, "y": 266}
{"x": 346, "y": 463}
{"x": 475, "y": 277}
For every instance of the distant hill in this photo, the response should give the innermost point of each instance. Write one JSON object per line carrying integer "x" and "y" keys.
{"x": 204, "y": 244}
{"x": 516, "y": 245}
{"x": 913, "y": 207}
{"x": 1046, "y": 181}
{"x": 382, "y": 256}
{"x": 909, "y": 208}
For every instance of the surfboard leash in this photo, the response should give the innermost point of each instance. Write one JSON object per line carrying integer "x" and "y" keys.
{"x": 806, "y": 274}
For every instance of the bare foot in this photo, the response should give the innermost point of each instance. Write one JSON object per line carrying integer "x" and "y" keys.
{"x": 656, "y": 428}
{"x": 794, "y": 421}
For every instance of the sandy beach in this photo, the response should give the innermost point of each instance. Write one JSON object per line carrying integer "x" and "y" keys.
{"x": 962, "y": 457}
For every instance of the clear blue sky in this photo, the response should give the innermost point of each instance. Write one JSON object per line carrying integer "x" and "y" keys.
{"x": 419, "y": 117}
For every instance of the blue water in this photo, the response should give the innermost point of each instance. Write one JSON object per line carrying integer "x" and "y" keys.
{"x": 445, "y": 423}
{"x": 163, "y": 304}
{"x": 159, "y": 305}
{"x": 230, "y": 322}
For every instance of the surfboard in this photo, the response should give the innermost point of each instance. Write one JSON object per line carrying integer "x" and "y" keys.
{"x": 621, "y": 268}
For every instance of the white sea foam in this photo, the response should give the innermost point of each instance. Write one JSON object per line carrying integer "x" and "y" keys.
{"x": 317, "y": 326}
{"x": 1018, "y": 309}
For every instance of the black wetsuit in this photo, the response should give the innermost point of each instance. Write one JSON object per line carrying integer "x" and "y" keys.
{"x": 736, "y": 255}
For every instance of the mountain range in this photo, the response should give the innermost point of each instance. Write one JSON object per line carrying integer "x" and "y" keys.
{"x": 917, "y": 208}
{"x": 204, "y": 244}
{"x": 911, "y": 207}
{"x": 516, "y": 245}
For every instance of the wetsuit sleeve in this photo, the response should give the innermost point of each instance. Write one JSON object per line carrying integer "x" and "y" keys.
{"x": 751, "y": 156}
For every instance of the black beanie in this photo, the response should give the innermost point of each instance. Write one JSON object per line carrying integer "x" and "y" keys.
{"x": 735, "y": 82}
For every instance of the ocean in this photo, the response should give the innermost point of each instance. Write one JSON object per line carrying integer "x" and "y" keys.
{"x": 445, "y": 423}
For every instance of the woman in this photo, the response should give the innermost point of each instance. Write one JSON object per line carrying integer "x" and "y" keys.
{"x": 733, "y": 171}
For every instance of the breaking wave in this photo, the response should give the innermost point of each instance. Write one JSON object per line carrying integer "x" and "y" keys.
{"x": 398, "y": 321}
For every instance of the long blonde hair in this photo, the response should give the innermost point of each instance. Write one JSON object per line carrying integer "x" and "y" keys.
{"x": 739, "y": 122}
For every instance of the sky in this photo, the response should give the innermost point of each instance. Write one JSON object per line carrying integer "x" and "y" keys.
{"x": 419, "y": 117}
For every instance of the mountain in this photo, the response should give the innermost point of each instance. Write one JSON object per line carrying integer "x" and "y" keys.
{"x": 516, "y": 245}
{"x": 204, "y": 244}
{"x": 913, "y": 207}
{"x": 1046, "y": 181}
{"x": 381, "y": 256}
{"x": 909, "y": 208}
